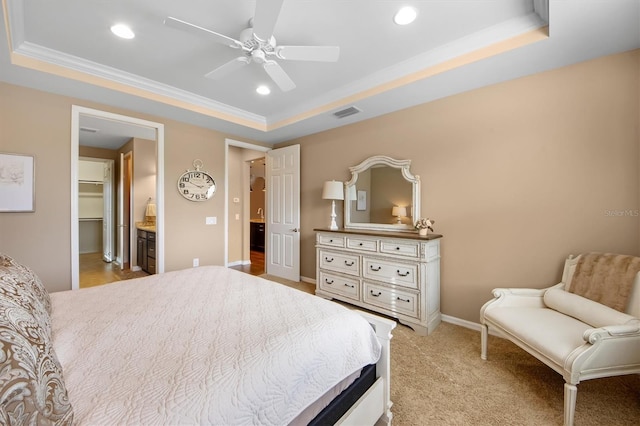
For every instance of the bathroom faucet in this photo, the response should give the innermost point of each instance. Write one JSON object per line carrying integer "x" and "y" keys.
{"x": 261, "y": 212}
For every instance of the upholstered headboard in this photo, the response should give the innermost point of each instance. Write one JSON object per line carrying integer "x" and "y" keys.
{"x": 32, "y": 389}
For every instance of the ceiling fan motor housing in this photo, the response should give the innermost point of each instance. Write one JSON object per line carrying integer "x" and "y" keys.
{"x": 251, "y": 44}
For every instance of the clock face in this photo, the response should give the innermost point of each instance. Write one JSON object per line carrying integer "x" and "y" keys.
{"x": 196, "y": 185}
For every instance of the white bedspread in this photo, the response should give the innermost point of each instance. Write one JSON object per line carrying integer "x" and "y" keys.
{"x": 206, "y": 345}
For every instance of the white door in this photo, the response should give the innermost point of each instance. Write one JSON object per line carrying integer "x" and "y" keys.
{"x": 120, "y": 220}
{"x": 283, "y": 213}
{"x": 107, "y": 215}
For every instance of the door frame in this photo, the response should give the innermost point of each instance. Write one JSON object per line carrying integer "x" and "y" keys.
{"x": 76, "y": 112}
{"x": 246, "y": 145}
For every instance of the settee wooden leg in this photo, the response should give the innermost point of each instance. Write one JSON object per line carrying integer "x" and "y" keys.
{"x": 484, "y": 341}
{"x": 570, "y": 394}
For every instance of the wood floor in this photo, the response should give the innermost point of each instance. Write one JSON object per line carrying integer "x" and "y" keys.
{"x": 257, "y": 264}
{"x": 94, "y": 271}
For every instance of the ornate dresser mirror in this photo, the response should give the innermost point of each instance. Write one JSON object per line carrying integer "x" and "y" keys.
{"x": 382, "y": 194}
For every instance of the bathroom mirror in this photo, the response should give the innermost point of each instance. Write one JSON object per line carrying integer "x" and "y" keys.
{"x": 382, "y": 194}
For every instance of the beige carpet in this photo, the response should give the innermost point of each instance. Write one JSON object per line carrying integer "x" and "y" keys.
{"x": 441, "y": 380}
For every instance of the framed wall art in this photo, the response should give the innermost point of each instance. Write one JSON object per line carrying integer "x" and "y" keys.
{"x": 17, "y": 183}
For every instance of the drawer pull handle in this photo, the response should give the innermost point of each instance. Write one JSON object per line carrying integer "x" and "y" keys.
{"x": 330, "y": 241}
{"x": 375, "y": 269}
{"x": 397, "y": 248}
{"x": 349, "y": 285}
{"x": 376, "y": 295}
{"x": 404, "y": 300}
{"x": 326, "y": 280}
{"x": 349, "y": 264}
{"x": 360, "y": 244}
{"x": 326, "y": 259}
{"x": 401, "y": 274}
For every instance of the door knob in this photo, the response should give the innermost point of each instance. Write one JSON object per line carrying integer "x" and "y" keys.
{"x": 295, "y": 230}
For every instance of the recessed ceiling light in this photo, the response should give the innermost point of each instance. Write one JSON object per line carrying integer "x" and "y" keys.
{"x": 122, "y": 30}
{"x": 263, "y": 90}
{"x": 405, "y": 15}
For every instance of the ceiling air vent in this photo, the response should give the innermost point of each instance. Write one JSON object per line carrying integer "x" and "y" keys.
{"x": 89, "y": 130}
{"x": 346, "y": 112}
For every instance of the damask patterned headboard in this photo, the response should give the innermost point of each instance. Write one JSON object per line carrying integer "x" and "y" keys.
{"x": 32, "y": 389}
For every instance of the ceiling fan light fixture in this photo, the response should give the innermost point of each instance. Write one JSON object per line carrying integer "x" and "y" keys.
{"x": 123, "y": 31}
{"x": 405, "y": 15}
{"x": 263, "y": 90}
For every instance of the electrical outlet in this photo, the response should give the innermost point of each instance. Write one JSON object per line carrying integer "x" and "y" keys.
{"x": 237, "y": 216}
{"x": 211, "y": 220}
{"x": 196, "y": 262}
{"x": 236, "y": 199}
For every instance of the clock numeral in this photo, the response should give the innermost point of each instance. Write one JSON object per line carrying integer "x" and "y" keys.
{"x": 182, "y": 185}
{"x": 185, "y": 191}
{"x": 185, "y": 179}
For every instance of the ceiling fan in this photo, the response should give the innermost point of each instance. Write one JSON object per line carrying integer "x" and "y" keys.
{"x": 258, "y": 45}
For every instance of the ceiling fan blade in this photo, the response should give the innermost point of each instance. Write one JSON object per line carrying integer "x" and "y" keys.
{"x": 278, "y": 75}
{"x": 194, "y": 29}
{"x": 308, "y": 53}
{"x": 228, "y": 68}
{"x": 265, "y": 17}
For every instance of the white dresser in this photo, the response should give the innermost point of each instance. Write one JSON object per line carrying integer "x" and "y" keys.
{"x": 394, "y": 273}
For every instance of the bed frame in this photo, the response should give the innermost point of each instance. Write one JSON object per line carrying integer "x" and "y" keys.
{"x": 374, "y": 407}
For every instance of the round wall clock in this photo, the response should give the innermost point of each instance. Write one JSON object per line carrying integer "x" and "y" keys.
{"x": 196, "y": 185}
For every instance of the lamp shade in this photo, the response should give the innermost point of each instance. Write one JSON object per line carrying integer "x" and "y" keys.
{"x": 333, "y": 190}
{"x": 150, "y": 210}
{"x": 352, "y": 194}
{"x": 398, "y": 211}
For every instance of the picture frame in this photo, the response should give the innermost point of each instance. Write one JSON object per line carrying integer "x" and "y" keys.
{"x": 17, "y": 183}
{"x": 361, "y": 201}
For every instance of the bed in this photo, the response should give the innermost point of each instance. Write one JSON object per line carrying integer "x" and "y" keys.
{"x": 205, "y": 345}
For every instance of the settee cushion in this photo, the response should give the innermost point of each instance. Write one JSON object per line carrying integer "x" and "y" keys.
{"x": 547, "y": 331}
{"x": 32, "y": 390}
{"x": 593, "y": 313}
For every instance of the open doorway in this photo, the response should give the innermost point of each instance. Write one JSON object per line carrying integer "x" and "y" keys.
{"x": 246, "y": 207}
{"x": 116, "y": 140}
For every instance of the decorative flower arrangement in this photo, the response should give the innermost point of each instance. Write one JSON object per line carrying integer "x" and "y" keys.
{"x": 424, "y": 224}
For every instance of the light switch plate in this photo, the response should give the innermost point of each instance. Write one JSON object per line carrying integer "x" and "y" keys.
{"x": 236, "y": 200}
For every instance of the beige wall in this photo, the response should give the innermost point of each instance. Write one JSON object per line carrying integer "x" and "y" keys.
{"x": 517, "y": 175}
{"x": 39, "y": 123}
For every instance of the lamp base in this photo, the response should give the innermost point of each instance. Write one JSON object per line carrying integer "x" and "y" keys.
{"x": 333, "y": 226}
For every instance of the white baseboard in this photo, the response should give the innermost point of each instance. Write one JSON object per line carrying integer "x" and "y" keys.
{"x": 467, "y": 324}
{"x": 136, "y": 268}
{"x": 239, "y": 262}
{"x": 462, "y": 323}
{"x": 307, "y": 280}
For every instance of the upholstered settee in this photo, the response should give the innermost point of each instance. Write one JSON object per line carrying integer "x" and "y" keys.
{"x": 577, "y": 337}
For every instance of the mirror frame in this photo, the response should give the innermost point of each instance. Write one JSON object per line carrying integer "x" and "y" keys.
{"x": 378, "y": 160}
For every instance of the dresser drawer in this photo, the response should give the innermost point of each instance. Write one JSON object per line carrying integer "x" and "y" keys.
{"x": 340, "y": 262}
{"x": 395, "y": 300}
{"x": 408, "y": 249}
{"x": 349, "y": 287}
{"x": 362, "y": 244}
{"x": 405, "y": 274}
{"x": 331, "y": 240}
